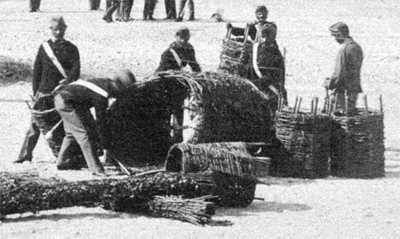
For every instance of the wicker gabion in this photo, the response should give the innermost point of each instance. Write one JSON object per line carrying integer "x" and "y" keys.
{"x": 305, "y": 139}
{"x": 232, "y": 158}
{"x": 358, "y": 145}
{"x": 234, "y": 58}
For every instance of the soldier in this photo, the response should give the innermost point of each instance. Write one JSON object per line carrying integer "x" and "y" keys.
{"x": 346, "y": 75}
{"x": 34, "y": 5}
{"x": 170, "y": 9}
{"x": 148, "y": 10}
{"x": 73, "y": 102}
{"x": 268, "y": 71}
{"x": 179, "y": 54}
{"x": 260, "y": 24}
{"x": 182, "y": 8}
{"x": 57, "y": 62}
{"x": 94, "y": 5}
{"x": 125, "y": 10}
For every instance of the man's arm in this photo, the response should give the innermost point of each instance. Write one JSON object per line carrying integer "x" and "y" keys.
{"x": 336, "y": 80}
{"x": 192, "y": 61}
{"x": 167, "y": 62}
{"x": 76, "y": 66}
{"x": 37, "y": 70}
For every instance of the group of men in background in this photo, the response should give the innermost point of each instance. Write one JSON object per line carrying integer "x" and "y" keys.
{"x": 123, "y": 8}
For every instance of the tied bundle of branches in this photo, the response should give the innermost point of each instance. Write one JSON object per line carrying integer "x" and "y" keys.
{"x": 27, "y": 193}
{"x": 358, "y": 145}
{"x": 194, "y": 210}
{"x": 305, "y": 137}
{"x": 12, "y": 70}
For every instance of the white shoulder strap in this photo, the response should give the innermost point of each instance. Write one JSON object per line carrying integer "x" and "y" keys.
{"x": 92, "y": 87}
{"x": 255, "y": 55}
{"x": 54, "y": 59}
{"x": 176, "y": 56}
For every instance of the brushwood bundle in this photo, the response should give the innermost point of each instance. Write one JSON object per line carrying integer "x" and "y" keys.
{"x": 12, "y": 70}
{"x": 210, "y": 107}
{"x": 305, "y": 137}
{"x": 358, "y": 145}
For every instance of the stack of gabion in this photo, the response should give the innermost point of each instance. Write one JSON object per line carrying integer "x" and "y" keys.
{"x": 358, "y": 145}
{"x": 235, "y": 57}
{"x": 305, "y": 144}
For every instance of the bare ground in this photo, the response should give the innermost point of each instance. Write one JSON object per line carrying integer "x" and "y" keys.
{"x": 293, "y": 208}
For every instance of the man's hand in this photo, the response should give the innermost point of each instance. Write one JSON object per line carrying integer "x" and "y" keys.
{"x": 228, "y": 25}
{"x": 327, "y": 82}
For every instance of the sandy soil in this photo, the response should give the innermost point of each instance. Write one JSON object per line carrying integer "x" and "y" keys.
{"x": 293, "y": 208}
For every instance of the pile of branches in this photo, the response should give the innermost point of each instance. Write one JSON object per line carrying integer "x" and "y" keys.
{"x": 305, "y": 138}
{"x": 235, "y": 57}
{"x": 141, "y": 193}
{"x": 12, "y": 70}
{"x": 358, "y": 145}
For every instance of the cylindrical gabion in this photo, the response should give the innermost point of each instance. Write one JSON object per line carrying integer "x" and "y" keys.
{"x": 305, "y": 139}
{"x": 358, "y": 145}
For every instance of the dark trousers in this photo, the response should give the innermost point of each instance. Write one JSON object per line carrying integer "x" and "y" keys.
{"x": 94, "y": 4}
{"x": 108, "y": 3}
{"x": 115, "y": 4}
{"x": 80, "y": 128}
{"x": 170, "y": 9}
{"x": 125, "y": 9}
{"x": 182, "y": 7}
{"x": 34, "y": 5}
{"x": 30, "y": 141}
{"x": 148, "y": 10}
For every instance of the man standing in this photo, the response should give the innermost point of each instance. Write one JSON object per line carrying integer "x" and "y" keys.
{"x": 57, "y": 62}
{"x": 182, "y": 8}
{"x": 125, "y": 10}
{"x": 179, "y": 54}
{"x": 170, "y": 9}
{"x": 34, "y": 5}
{"x": 268, "y": 68}
{"x": 73, "y": 103}
{"x": 112, "y": 7}
{"x": 148, "y": 10}
{"x": 345, "y": 81}
{"x": 261, "y": 24}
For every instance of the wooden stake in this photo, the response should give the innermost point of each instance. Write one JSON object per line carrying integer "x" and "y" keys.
{"x": 366, "y": 103}
{"x": 381, "y": 104}
{"x": 295, "y": 104}
{"x": 312, "y": 105}
{"x": 299, "y": 105}
{"x": 316, "y": 106}
{"x": 346, "y": 102}
{"x": 335, "y": 105}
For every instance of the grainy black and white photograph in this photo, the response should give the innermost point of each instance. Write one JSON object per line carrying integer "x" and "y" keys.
{"x": 199, "y": 119}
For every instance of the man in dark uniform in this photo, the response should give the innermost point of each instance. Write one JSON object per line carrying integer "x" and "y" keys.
{"x": 125, "y": 10}
{"x": 269, "y": 28}
{"x": 112, "y": 7}
{"x": 34, "y": 5}
{"x": 345, "y": 81}
{"x": 57, "y": 62}
{"x": 148, "y": 10}
{"x": 182, "y": 8}
{"x": 170, "y": 9}
{"x": 179, "y": 54}
{"x": 268, "y": 68}
{"x": 73, "y": 103}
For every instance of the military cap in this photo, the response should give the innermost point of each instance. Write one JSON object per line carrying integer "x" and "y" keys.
{"x": 183, "y": 32}
{"x": 261, "y": 8}
{"x": 59, "y": 20}
{"x": 339, "y": 27}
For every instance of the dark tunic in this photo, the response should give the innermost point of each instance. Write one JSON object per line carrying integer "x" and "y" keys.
{"x": 185, "y": 52}
{"x": 46, "y": 76}
{"x": 270, "y": 28}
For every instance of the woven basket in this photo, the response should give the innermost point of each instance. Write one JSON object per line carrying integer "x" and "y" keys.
{"x": 305, "y": 138}
{"x": 358, "y": 145}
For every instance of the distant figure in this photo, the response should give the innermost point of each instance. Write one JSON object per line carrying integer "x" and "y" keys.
{"x": 73, "y": 103}
{"x": 181, "y": 13}
{"x": 94, "y": 5}
{"x": 179, "y": 54}
{"x": 217, "y": 17}
{"x": 148, "y": 9}
{"x": 34, "y": 5}
{"x": 57, "y": 63}
{"x": 170, "y": 9}
{"x": 346, "y": 75}
{"x": 261, "y": 24}
{"x": 113, "y": 6}
{"x": 125, "y": 10}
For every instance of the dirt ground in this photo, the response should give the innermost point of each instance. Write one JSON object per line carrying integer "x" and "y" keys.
{"x": 293, "y": 208}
